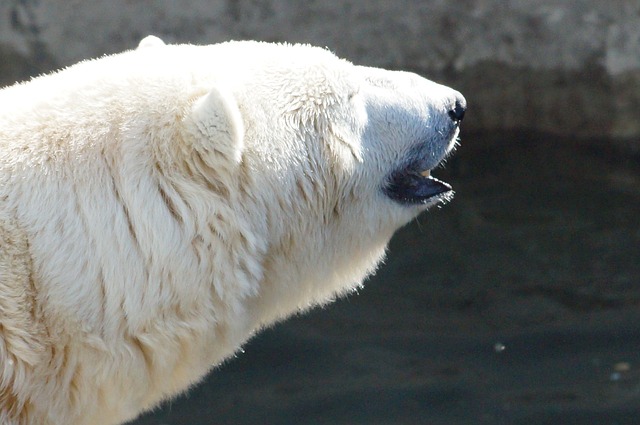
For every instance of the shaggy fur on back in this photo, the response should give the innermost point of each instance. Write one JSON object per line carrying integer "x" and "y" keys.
{"x": 160, "y": 206}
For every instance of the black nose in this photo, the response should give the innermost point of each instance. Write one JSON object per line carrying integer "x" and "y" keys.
{"x": 457, "y": 113}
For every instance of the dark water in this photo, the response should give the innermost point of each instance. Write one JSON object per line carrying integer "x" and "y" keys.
{"x": 518, "y": 303}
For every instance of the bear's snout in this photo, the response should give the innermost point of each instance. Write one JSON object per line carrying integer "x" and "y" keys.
{"x": 457, "y": 113}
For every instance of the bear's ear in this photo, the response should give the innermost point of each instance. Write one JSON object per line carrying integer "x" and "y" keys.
{"x": 150, "y": 41}
{"x": 217, "y": 122}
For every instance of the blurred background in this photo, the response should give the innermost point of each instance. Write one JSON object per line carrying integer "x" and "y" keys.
{"x": 517, "y": 303}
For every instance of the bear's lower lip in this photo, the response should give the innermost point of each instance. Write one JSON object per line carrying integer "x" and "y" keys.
{"x": 416, "y": 188}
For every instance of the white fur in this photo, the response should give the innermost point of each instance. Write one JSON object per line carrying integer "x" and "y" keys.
{"x": 150, "y": 41}
{"x": 160, "y": 206}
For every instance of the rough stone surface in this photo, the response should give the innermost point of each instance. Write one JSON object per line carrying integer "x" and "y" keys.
{"x": 565, "y": 66}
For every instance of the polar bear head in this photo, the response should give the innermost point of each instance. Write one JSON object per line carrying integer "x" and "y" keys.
{"x": 287, "y": 168}
{"x": 164, "y": 204}
{"x": 335, "y": 156}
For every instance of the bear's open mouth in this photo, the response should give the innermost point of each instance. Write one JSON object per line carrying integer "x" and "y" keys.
{"x": 411, "y": 186}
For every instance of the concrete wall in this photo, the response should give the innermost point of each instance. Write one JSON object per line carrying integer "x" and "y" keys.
{"x": 566, "y": 66}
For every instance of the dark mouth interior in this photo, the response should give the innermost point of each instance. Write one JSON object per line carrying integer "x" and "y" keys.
{"x": 410, "y": 187}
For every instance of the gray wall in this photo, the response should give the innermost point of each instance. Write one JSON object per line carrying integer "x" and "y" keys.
{"x": 570, "y": 67}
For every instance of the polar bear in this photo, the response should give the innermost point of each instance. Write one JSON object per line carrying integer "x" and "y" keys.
{"x": 160, "y": 206}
